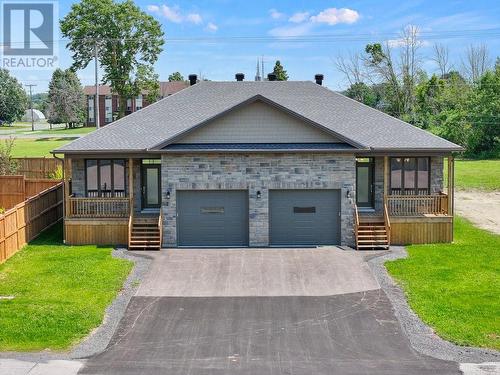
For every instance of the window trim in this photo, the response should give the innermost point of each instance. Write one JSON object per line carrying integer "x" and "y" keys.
{"x": 415, "y": 188}
{"x": 112, "y": 164}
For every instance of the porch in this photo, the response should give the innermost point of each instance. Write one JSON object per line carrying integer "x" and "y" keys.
{"x": 403, "y": 216}
{"x": 113, "y": 201}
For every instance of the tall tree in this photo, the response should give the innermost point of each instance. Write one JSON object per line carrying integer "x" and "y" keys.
{"x": 66, "y": 102}
{"x": 176, "y": 76}
{"x": 441, "y": 58}
{"x": 399, "y": 76}
{"x": 281, "y": 74}
{"x": 476, "y": 62}
{"x": 8, "y": 165}
{"x": 484, "y": 107}
{"x": 129, "y": 42}
{"x": 13, "y": 99}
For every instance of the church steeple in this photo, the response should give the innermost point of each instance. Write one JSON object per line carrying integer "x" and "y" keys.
{"x": 257, "y": 75}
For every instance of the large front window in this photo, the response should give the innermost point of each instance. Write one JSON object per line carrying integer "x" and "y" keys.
{"x": 105, "y": 178}
{"x": 410, "y": 176}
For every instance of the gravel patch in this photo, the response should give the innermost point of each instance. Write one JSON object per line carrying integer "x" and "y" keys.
{"x": 99, "y": 339}
{"x": 421, "y": 336}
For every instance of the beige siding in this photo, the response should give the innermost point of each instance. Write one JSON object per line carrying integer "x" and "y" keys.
{"x": 258, "y": 123}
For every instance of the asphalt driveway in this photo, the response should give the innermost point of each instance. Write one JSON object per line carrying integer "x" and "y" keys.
{"x": 356, "y": 332}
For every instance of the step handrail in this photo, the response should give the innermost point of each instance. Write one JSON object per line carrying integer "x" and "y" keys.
{"x": 160, "y": 228}
{"x": 356, "y": 223}
{"x": 387, "y": 222}
{"x": 130, "y": 224}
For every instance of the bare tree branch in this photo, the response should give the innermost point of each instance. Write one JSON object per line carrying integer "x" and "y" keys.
{"x": 476, "y": 62}
{"x": 441, "y": 58}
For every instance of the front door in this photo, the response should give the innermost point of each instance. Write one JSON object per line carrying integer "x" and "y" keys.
{"x": 151, "y": 188}
{"x": 364, "y": 182}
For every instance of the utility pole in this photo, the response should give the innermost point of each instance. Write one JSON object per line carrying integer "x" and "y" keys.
{"x": 96, "y": 51}
{"x": 31, "y": 108}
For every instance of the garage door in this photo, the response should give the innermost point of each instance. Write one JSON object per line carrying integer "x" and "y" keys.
{"x": 212, "y": 218}
{"x": 304, "y": 217}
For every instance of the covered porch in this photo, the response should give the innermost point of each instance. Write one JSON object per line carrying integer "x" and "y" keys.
{"x": 403, "y": 200}
{"x": 113, "y": 201}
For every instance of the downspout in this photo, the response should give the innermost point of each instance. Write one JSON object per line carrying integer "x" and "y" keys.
{"x": 64, "y": 193}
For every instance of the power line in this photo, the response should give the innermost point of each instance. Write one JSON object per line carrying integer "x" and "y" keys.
{"x": 443, "y": 34}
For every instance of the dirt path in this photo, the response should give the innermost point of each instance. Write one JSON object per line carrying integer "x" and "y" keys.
{"x": 482, "y": 208}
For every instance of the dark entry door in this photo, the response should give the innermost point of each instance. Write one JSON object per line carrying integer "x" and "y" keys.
{"x": 364, "y": 182}
{"x": 151, "y": 188}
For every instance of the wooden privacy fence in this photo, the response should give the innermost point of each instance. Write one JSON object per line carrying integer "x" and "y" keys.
{"x": 16, "y": 189}
{"x": 37, "y": 167}
{"x": 26, "y": 220}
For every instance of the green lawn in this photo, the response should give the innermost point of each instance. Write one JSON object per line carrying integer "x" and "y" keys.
{"x": 455, "y": 288}
{"x": 477, "y": 174}
{"x": 38, "y": 147}
{"x": 60, "y": 293}
{"x": 61, "y": 131}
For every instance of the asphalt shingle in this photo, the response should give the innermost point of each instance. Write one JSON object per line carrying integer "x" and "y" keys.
{"x": 170, "y": 117}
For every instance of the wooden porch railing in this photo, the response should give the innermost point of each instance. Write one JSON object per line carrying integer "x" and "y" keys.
{"x": 417, "y": 205}
{"x": 99, "y": 207}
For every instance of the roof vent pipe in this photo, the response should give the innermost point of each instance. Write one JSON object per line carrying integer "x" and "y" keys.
{"x": 271, "y": 77}
{"x": 193, "y": 78}
{"x": 239, "y": 77}
{"x": 319, "y": 78}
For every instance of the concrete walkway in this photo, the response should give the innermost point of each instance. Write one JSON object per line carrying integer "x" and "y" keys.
{"x": 51, "y": 367}
{"x": 324, "y": 271}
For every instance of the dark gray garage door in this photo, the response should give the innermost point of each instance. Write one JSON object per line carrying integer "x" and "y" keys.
{"x": 304, "y": 217}
{"x": 212, "y": 218}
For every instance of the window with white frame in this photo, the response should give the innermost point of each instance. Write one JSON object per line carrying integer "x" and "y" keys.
{"x": 138, "y": 102}
{"x": 91, "y": 101}
{"x": 108, "y": 108}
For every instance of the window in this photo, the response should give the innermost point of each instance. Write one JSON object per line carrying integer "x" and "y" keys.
{"x": 105, "y": 178}
{"x": 138, "y": 102}
{"x": 108, "y": 107}
{"x": 129, "y": 104}
{"x": 410, "y": 176}
{"x": 91, "y": 108}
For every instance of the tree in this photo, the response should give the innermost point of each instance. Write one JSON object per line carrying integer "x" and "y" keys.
{"x": 281, "y": 74}
{"x": 41, "y": 102}
{"x": 8, "y": 166}
{"x": 398, "y": 76}
{"x": 129, "y": 42}
{"x": 351, "y": 67}
{"x": 441, "y": 58}
{"x": 476, "y": 62}
{"x": 176, "y": 76}
{"x": 13, "y": 99}
{"x": 484, "y": 107}
{"x": 66, "y": 102}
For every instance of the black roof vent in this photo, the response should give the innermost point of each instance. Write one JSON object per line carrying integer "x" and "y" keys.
{"x": 319, "y": 79}
{"x": 193, "y": 78}
{"x": 239, "y": 77}
{"x": 271, "y": 77}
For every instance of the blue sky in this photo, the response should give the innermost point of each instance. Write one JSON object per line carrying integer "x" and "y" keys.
{"x": 362, "y": 22}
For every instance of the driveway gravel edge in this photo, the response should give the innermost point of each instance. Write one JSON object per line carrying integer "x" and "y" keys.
{"x": 422, "y": 337}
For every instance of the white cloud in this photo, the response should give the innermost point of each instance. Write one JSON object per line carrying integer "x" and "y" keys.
{"x": 299, "y": 17}
{"x": 275, "y": 14}
{"x": 194, "y": 18}
{"x": 333, "y": 16}
{"x": 171, "y": 14}
{"x": 212, "y": 27}
{"x": 153, "y": 9}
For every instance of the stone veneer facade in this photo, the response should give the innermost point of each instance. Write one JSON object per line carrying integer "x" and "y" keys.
{"x": 257, "y": 172}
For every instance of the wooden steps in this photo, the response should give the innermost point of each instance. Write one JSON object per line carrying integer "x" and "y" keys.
{"x": 145, "y": 233}
{"x": 372, "y": 234}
